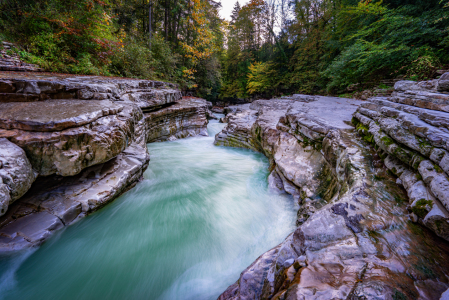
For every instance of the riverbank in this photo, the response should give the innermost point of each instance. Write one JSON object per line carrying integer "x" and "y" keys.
{"x": 72, "y": 144}
{"x": 82, "y": 141}
{"x": 198, "y": 217}
{"x": 355, "y": 235}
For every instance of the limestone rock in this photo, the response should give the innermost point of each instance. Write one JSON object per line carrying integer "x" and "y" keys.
{"x": 71, "y": 149}
{"x": 411, "y": 130}
{"x": 19, "y": 87}
{"x": 186, "y": 118}
{"x": 16, "y": 174}
{"x": 354, "y": 240}
{"x": 54, "y": 201}
{"x": 427, "y": 94}
{"x": 12, "y": 61}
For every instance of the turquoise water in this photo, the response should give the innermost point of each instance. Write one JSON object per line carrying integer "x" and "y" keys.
{"x": 200, "y": 217}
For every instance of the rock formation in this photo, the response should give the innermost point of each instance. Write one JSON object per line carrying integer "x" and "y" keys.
{"x": 354, "y": 239}
{"x": 85, "y": 137}
{"x": 16, "y": 174}
{"x": 10, "y": 60}
{"x": 414, "y": 142}
{"x": 184, "y": 119}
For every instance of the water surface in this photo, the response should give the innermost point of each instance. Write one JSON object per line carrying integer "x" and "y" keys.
{"x": 201, "y": 216}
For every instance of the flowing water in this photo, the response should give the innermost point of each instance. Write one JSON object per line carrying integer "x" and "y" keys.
{"x": 201, "y": 216}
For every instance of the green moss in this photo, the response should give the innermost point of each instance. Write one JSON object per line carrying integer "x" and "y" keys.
{"x": 329, "y": 184}
{"x": 309, "y": 142}
{"x": 258, "y": 135}
{"x": 369, "y": 138}
{"x": 361, "y": 126}
{"x": 421, "y": 267}
{"x": 438, "y": 169}
{"x": 423, "y": 143}
{"x": 387, "y": 141}
{"x": 399, "y": 199}
{"x": 439, "y": 224}
{"x": 420, "y": 209}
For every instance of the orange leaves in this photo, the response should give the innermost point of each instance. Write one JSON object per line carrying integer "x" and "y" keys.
{"x": 202, "y": 45}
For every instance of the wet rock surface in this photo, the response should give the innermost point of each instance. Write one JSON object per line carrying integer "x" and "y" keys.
{"x": 85, "y": 136}
{"x": 354, "y": 238}
{"x": 16, "y": 174}
{"x": 186, "y": 118}
{"x": 413, "y": 140}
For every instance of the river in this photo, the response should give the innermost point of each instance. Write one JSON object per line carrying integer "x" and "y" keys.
{"x": 201, "y": 215}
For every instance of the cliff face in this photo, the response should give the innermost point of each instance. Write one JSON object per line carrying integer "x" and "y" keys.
{"x": 83, "y": 139}
{"x": 414, "y": 142}
{"x": 354, "y": 239}
{"x": 186, "y": 118}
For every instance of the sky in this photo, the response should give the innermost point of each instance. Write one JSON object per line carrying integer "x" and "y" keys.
{"x": 228, "y": 5}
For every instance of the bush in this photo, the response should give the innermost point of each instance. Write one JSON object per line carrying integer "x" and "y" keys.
{"x": 423, "y": 67}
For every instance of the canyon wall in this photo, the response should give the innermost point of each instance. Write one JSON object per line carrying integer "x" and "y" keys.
{"x": 71, "y": 144}
{"x": 354, "y": 238}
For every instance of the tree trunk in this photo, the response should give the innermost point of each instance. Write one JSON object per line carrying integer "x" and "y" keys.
{"x": 174, "y": 22}
{"x": 166, "y": 19}
{"x": 150, "y": 21}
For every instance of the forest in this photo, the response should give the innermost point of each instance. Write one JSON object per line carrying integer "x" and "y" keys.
{"x": 264, "y": 49}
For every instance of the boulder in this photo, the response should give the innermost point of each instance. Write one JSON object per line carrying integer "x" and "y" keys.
{"x": 16, "y": 174}
{"x": 65, "y": 143}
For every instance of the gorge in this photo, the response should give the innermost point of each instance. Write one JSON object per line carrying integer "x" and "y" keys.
{"x": 356, "y": 207}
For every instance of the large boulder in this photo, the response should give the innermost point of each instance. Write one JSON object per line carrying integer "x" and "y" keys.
{"x": 66, "y": 136}
{"x": 16, "y": 174}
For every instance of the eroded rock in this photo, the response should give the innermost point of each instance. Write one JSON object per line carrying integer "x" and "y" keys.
{"x": 16, "y": 174}
{"x": 186, "y": 118}
{"x": 354, "y": 238}
{"x": 55, "y": 201}
{"x": 86, "y": 137}
{"x": 69, "y": 151}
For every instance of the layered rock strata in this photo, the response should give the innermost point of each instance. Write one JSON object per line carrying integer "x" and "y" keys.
{"x": 29, "y": 87}
{"x": 414, "y": 143}
{"x": 186, "y": 118}
{"x": 85, "y": 137}
{"x": 354, "y": 239}
{"x": 10, "y": 60}
{"x": 64, "y": 137}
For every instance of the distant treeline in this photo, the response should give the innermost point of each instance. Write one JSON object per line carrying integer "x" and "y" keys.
{"x": 173, "y": 40}
{"x": 268, "y": 47}
{"x": 323, "y": 46}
